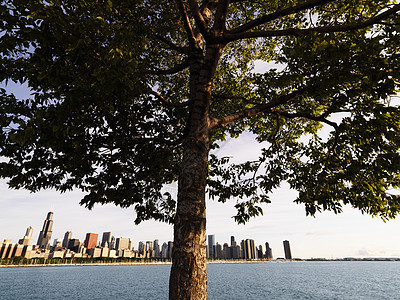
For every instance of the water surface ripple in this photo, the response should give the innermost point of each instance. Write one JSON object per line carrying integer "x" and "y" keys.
{"x": 295, "y": 280}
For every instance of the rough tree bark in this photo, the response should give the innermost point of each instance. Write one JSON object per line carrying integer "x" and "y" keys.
{"x": 188, "y": 278}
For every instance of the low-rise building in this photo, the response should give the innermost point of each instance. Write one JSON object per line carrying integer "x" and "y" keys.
{"x": 17, "y": 250}
{"x": 57, "y": 254}
{"x": 112, "y": 253}
{"x": 27, "y": 252}
{"x": 94, "y": 252}
{"x": 105, "y": 252}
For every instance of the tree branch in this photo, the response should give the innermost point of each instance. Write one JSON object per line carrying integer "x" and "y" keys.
{"x": 220, "y": 17}
{"x": 314, "y": 118}
{"x": 278, "y": 14}
{"x": 305, "y": 116}
{"x": 186, "y": 22}
{"x": 230, "y": 97}
{"x": 228, "y": 37}
{"x": 207, "y": 7}
{"x": 176, "y": 69}
{"x": 167, "y": 103}
{"x": 160, "y": 140}
{"x": 260, "y": 108}
{"x": 173, "y": 46}
{"x": 278, "y": 126}
{"x": 198, "y": 17}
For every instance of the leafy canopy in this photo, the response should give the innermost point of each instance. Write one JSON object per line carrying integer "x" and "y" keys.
{"x": 111, "y": 80}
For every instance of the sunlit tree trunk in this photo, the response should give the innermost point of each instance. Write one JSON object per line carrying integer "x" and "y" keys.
{"x": 188, "y": 278}
{"x": 188, "y": 274}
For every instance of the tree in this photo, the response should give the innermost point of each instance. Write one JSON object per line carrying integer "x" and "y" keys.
{"x": 128, "y": 96}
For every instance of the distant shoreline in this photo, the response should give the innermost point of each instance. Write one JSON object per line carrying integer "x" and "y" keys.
{"x": 208, "y": 262}
{"x": 86, "y": 264}
{"x": 130, "y": 263}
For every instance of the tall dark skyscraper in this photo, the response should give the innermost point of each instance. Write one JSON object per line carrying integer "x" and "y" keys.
{"x": 259, "y": 252}
{"x": 268, "y": 251}
{"x": 233, "y": 242}
{"x": 156, "y": 249}
{"x": 141, "y": 247}
{"x": 106, "y": 241}
{"x": 211, "y": 244}
{"x": 170, "y": 249}
{"x": 73, "y": 245}
{"x": 249, "y": 249}
{"x": 67, "y": 238}
{"x": 286, "y": 247}
{"x": 45, "y": 234}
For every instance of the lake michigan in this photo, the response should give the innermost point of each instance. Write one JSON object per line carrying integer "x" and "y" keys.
{"x": 289, "y": 280}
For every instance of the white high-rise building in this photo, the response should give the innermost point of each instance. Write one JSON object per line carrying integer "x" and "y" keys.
{"x": 122, "y": 244}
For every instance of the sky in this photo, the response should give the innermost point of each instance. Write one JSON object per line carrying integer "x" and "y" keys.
{"x": 349, "y": 234}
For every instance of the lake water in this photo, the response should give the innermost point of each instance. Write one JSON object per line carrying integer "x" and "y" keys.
{"x": 295, "y": 280}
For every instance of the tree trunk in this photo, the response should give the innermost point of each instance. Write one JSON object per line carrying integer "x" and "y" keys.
{"x": 188, "y": 279}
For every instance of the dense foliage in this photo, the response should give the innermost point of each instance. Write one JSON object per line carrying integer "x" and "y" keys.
{"x": 110, "y": 105}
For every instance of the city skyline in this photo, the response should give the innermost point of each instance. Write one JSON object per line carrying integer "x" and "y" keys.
{"x": 100, "y": 218}
{"x": 108, "y": 240}
{"x": 111, "y": 247}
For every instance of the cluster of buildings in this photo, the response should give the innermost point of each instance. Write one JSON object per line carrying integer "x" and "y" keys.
{"x": 246, "y": 250}
{"x": 69, "y": 247}
{"x": 112, "y": 247}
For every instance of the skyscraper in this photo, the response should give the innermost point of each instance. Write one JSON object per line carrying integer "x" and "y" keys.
{"x": 170, "y": 249}
{"x": 149, "y": 246}
{"x": 260, "y": 254}
{"x": 91, "y": 240}
{"x": 164, "y": 250}
{"x": 67, "y": 238}
{"x": 45, "y": 234}
{"x": 112, "y": 246}
{"x": 233, "y": 242}
{"x": 74, "y": 245}
{"x": 249, "y": 249}
{"x": 211, "y": 244}
{"x": 217, "y": 251}
{"x": 27, "y": 239}
{"x": 141, "y": 247}
{"x": 226, "y": 251}
{"x": 156, "y": 249}
{"x": 286, "y": 247}
{"x": 268, "y": 251}
{"x": 235, "y": 252}
{"x": 107, "y": 236}
{"x": 122, "y": 244}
